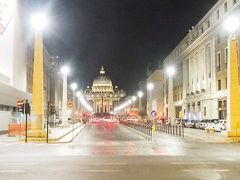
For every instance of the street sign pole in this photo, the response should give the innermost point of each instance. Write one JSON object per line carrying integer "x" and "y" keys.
{"x": 48, "y": 111}
{"x": 26, "y": 128}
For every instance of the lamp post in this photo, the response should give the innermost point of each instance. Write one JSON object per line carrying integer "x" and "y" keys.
{"x": 39, "y": 22}
{"x": 78, "y": 94}
{"x": 140, "y": 95}
{"x": 171, "y": 108}
{"x": 150, "y": 87}
{"x": 65, "y": 71}
{"x": 73, "y": 87}
{"x": 233, "y": 96}
{"x": 134, "y": 100}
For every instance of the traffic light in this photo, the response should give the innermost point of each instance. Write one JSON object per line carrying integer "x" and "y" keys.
{"x": 52, "y": 109}
{"x": 27, "y": 107}
{"x": 20, "y": 105}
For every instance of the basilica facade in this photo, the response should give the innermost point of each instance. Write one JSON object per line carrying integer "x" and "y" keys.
{"x": 102, "y": 94}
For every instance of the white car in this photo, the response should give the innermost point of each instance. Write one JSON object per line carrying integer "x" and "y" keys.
{"x": 221, "y": 126}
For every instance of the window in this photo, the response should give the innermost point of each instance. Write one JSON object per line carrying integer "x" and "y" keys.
{"x": 226, "y": 83}
{"x": 219, "y": 85}
{"x": 218, "y": 61}
{"x": 225, "y": 6}
{"x": 226, "y": 55}
{"x": 208, "y": 23}
{"x": 218, "y": 39}
{"x": 218, "y": 14}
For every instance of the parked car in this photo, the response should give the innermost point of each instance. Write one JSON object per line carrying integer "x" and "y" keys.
{"x": 211, "y": 123}
{"x": 221, "y": 126}
{"x": 203, "y": 124}
{"x": 198, "y": 124}
{"x": 190, "y": 123}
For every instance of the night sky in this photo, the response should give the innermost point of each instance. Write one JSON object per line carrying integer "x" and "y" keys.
{"x": 122, "y": 35}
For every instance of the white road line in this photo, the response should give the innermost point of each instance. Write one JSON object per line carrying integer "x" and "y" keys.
{"x": 192, "y": 163}
{"x": 12, "y": 171}
{"x": 216, "y": 170}
{"x": 18, "y": 164}
{"x": 102, "y": 170}
{"x": 108, "y": 163}
{"x": 227, "y": 159}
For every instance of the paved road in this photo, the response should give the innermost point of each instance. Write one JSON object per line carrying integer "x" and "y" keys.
{"x": 111, "y": 151}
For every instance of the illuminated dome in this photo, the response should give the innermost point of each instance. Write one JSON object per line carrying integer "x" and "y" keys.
{"x": 102, "y": 83}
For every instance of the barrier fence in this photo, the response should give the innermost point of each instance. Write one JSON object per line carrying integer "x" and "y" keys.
{"x": 177, "y": 130}
{"x": 143, "y": 128}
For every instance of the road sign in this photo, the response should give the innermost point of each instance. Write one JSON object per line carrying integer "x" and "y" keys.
{"x": 154, "y": 113}
{"x": 69, "y": 104}
{"x": 180, "y": 114}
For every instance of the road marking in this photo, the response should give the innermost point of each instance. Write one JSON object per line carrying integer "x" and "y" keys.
{"x": 18, "y": 164}
{"x": 12, "y": 171}
{"x": 109, "y": 163}
{"x": 227, "y": 159}
{"x": 217, "y": 170}
{"x": 192, "y": 163}
{"x": 102, "y": 170}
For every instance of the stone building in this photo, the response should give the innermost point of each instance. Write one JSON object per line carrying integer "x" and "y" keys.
{"x": 198, "y": 90}
{"x": 103, "y": 94}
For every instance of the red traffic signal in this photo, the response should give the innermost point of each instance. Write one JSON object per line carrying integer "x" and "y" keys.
{"x": 20, "y": 105}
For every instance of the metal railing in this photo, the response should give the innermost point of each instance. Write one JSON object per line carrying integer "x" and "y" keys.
{"x": 143, "y": 128}
{"x": 177, "y": 130}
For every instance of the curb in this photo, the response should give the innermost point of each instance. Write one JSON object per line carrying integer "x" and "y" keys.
{"x": 71, "y": 139}
{"x": 50, "y": 140}
{"x": 149, "y": 138}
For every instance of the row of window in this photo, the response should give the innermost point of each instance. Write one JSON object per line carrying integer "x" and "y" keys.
{"x": 200, "y": 29}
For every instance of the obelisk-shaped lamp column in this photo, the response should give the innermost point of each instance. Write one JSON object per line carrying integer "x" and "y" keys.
{"x": 233, "y": 97}
{"x": 37, "y": 131}
{"x": 65, "y": 71}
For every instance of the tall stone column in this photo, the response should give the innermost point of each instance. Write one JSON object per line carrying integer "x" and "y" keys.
{"x": 171, "y": 107}
{"x": 233, "y": 108}
{"x": 37, "y": 96}
{"x": 64, "y": 102}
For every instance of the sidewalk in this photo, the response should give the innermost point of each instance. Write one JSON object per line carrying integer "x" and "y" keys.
{"x": 216, "y": 137}
{"x": 56, "y": 135}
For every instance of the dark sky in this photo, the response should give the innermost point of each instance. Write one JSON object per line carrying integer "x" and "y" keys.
{"x": 122, "y": 35}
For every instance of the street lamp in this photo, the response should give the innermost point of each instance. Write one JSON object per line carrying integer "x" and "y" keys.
{"x": 140, "y": 95}
{"x": 150, "y": 87}
{"x": 233, "y": 96}
{"x": 73, "y": 87}
{"x": 170, "y": 71}
{"x": 65, "y": 70}
{"x": 38, "y": 22}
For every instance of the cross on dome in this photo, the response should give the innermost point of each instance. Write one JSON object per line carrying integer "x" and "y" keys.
{"x": 102, "y": 71}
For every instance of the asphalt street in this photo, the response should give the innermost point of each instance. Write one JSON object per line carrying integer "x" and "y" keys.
{"x": 112, "y": 151}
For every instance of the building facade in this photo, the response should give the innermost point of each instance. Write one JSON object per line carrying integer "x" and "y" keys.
{"x": 198, "y": 90}
{"x": 13, "y": 68}
{"x": 103, "y": 94}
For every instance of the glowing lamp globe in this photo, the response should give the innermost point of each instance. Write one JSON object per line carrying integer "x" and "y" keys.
{"x": 39, "y": 21}
{"x": 134, "y": 98}
{"x": 232, "y": 24}
{"x": 65, "y": 70}
{"x": 74, "y": 86}
{"x": 170, "y": 71}
{"x": 140, "y": 94}
{"x": 150, "y": 86}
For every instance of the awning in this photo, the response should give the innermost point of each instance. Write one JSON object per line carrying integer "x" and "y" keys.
{"x": 9, "y": 95}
